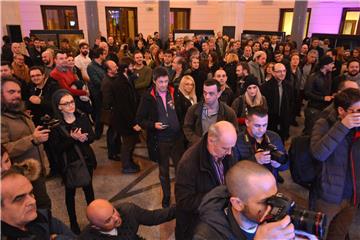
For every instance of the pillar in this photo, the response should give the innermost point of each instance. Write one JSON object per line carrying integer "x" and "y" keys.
{"x": 164, "y": 13}
{"x": 299, "y": 20}
{"x": 92, "y": 21}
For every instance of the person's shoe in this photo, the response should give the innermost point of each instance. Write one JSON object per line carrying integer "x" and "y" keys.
{"x": 165, "y": 202}
{"x": 134, "y": 165}
{"x": 75, "y": 228}
{"x": 130, "y": 169}
{"x": 114, "y": 157}
{"x": 280, "y": 179}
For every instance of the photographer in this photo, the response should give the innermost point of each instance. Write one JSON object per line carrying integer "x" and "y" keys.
{"x": 335, "y": 144}
{"x": 21, "y": 138}
{"x": 258, "y": 144}
{"x": 237, "y": 210}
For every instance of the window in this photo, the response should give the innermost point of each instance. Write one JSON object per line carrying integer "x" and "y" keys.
{"x": 350, "y": 21}
{"x": 179, "y": 19}
{"x": 59, "y": 17}
{"x": 286, "y": 18}
{"x": 121, "y": 22}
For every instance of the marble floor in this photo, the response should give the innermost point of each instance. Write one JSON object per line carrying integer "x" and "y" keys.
{"x": 144, "y": 189}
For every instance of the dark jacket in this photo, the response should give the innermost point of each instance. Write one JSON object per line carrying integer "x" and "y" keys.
{"x": 271, "y": 92}
{"x": 132, "y": 217}
{"x": 39, "y": 229}
{"x": 96, "y": 73}
{"x": 199, "y": 77}
{"x": 45, "y": 107}
{"x": 317, "y": 87}
{"x": 216, "y": 219}
{"x": 65, "y": 144}
{"x": 230, "y": 69}
{"x": 195, "y": 176}
{"x": 227, "y": 96}
{"x": 146, "y": 116}
{"x": 182, "y": 104}
{"x": 334, "y": 146}
{"x": 35, "y": 56}
{"x": 120, "y": 96}
{"x": 192, "y": 123}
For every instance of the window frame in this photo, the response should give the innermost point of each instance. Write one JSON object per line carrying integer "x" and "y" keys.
{"x": 58, "y": 7}
{"x": 135, "y": 9}
{"x": 175, "y": 10}
{"x": 342, "y": 20}
{"x": 281, "y": 20}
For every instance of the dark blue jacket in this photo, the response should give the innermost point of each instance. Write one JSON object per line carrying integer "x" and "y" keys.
{"x": 335, "y": 147}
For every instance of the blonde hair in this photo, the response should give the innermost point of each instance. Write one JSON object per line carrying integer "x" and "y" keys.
{"x": 231, "y": 57}
{"x": 192, "y": 95}
{"x": 253, "y": 101}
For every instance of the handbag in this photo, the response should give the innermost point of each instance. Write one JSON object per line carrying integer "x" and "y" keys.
{"x": 76, "y": 174}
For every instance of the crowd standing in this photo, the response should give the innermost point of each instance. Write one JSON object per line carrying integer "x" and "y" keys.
{"x": 214, "y": 106}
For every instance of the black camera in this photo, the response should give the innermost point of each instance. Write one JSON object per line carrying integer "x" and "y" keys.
{"x": 48, "y": 123}
{"x": 303, "y": 220}
{"x": 276, "y": 155}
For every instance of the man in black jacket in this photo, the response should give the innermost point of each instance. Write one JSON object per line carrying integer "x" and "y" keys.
{"x": 121, "y": 98}
{"x": 280, "y": 101}
{"x": 19, "y": 217}
{"x": 122, "y": 222}
{"x": 157, "y": 114}
{"x": 237, "y": 210}
{"x": 202, "y": 168}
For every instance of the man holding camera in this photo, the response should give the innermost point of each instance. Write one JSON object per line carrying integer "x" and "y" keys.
{"x": 21, "y": 138}
{"x": 157, "y": 114}
{"x": 335, "y": 143}
{"x": 237, "y": 210}
{"x": 258, "y": 144}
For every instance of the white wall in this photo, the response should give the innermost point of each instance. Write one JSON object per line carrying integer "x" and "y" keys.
{"x": 9, "y": 17}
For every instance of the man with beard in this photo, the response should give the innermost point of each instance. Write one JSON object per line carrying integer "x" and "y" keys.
{"x": 21, "y": 138}
{"x": 83, "y": 60}
{"x": 237, "y": 210}
{"x": 123, "y": 107}
{"x": 48, "y": 61}
{"x": 122, "y": 222}
{"x": 353, "y": 73}
{"x": 8, "y": 72}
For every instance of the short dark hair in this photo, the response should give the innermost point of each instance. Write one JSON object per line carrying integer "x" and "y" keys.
{"x": 159, "y": 72}
{"x": 352, "y": 60}
{"x": 346, "y": 98}
{"x": 9, "y": 79}
{"x": 168, "y": 51}
{"x": 245, "y": 66}
{"x": 181, "y": 61}
{"x": 4, "y": 63}
{"x": 60, "y": 52}
{"x": 212, "y": 82}
{"x": 97, "y": 52}
{"x": 137, "y": 52}
{"x": 40, "y": 68}
{"x": 83, "y": 44}
{"x": 65, "y": 40}
{"x": 36, "y": 39}
{"x": 125, "y": 63}
{"x": 259, "y": 111}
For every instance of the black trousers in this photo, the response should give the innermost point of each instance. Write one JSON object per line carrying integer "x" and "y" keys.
{"x": 40, "y": 193}
{"x": 173, "y": 149}
{"x": 127, "y": 149}
{"x": 70, "y": 198}
{"x": 113, "y": 141}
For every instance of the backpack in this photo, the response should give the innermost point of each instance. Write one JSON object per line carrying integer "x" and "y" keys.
{"x": 303, "y": 166}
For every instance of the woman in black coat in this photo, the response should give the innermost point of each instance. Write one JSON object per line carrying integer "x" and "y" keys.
{"x": 72, "y": 140}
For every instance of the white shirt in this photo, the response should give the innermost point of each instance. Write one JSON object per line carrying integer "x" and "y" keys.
{"x": 113, "y": 232}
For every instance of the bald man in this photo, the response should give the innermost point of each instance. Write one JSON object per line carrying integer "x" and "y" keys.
{"x": 122, "y": 222}
{"x": 202, "y": 168}
{"x": 236, "y": 211}
{"x": 19, "y": 217}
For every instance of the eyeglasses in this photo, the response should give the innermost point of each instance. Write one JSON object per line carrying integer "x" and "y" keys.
{"x": 353, "y": 110}
{"x": 67, "y": 104}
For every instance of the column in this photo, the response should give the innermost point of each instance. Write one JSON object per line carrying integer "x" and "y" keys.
{"x": 164, "y": 13}
{"x": 299, "y": 20}
{"x": 92, "y": 21}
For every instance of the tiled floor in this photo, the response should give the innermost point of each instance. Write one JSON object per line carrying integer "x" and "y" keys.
{"x": 144, "y": 189}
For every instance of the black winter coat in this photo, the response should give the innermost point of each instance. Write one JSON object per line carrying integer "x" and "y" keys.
{"x": 195, "y": 176}
{"x": 271, "y": 92}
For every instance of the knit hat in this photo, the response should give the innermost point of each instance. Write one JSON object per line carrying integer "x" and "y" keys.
{"x": 250, "y": 80}
{"x": 56, "y": 100}
{"x": 325, "y": 60}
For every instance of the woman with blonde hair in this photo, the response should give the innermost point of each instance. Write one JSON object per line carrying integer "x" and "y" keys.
{"x": 252, "y": 97}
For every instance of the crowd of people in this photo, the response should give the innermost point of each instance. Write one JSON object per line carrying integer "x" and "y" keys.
{"x": 218, "y": 108}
